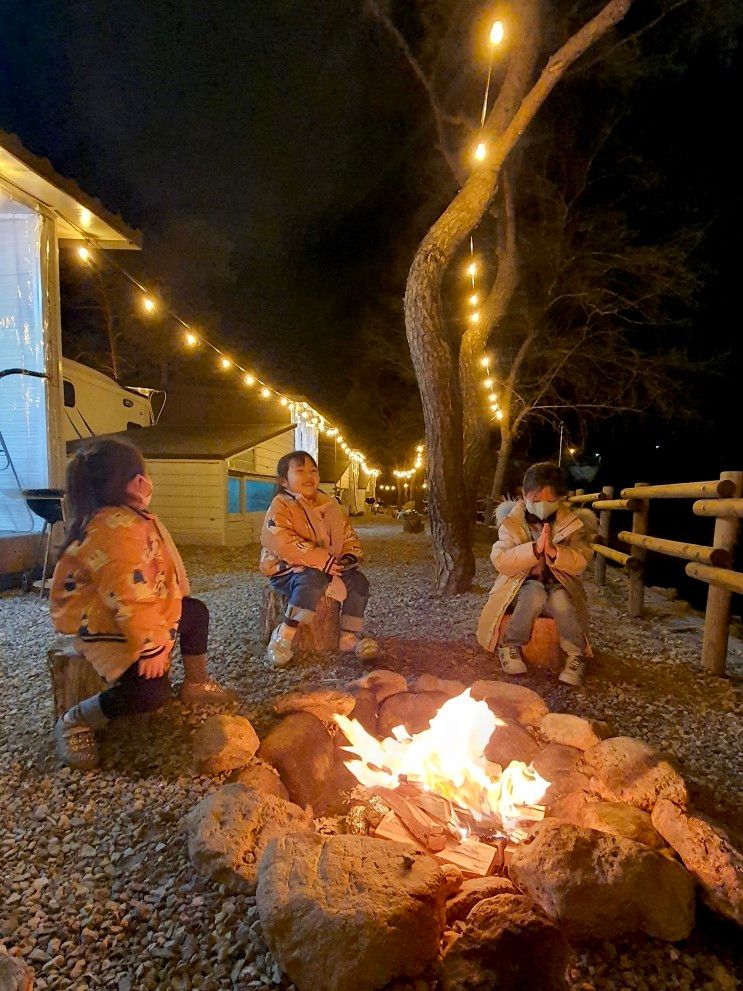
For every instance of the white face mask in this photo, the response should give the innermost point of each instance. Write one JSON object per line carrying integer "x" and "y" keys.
{"x": 542, "y": 510}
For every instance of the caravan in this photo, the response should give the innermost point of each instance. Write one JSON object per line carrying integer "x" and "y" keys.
{"x": 95, "y": 404}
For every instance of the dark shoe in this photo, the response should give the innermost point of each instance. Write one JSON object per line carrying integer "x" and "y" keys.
{"x": 76, "y": 745}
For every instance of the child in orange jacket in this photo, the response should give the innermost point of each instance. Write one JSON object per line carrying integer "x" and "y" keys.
{"x": 121, "y": 590}
{"x": 309, "y": 550}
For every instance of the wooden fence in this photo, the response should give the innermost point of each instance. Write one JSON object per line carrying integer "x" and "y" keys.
{"x": 721, "y": 500}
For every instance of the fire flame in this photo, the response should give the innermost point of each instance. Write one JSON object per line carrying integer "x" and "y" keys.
{"x": 447, "y": 759}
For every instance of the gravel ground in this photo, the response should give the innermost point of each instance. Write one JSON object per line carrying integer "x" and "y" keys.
{"x": 96, "y": 890}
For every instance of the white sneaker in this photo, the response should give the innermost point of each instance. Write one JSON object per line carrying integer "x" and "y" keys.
{"x": 510, "y": 659}
{"x": 280, "y": 651}
{"x": 572, "y": 673}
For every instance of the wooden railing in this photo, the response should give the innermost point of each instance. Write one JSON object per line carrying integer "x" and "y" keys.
{"x": 720, "y": 499}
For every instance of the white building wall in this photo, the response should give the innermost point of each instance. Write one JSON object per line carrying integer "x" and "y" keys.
{"x": 259, "y": 463}
{"x": 191, "y": 499}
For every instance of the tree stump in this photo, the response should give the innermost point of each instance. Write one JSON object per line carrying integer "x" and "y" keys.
{"x": 321, "y": 634}
{"x": 412, "y": 522}
{"x": 543, "y": 650}
{"x": 73, "y": 678}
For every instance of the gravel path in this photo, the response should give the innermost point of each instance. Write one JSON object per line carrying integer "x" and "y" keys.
{"x": 96, "y": 890}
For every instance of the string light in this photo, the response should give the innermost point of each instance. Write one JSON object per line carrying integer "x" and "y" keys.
{"x": 499, "y": 414}
{"x": 481, "y": 151}
{"x": 225, "y": 362}
{"x": 148, "y": 303}
{"x": 472, "y": 269}
{"x": 249, "y": 379}
{"x": 485, "y": 361}
{"x": 284, "y": 401}
{"x": 474, "y": 299}
{"x": 190, "y": 339}
{"x": 475, "y": 317}
{"x": 488, "y": 383}
{"x": 265, "y": 392}
{"x": 497, "y": 33}
{"x": 83, "y": 253}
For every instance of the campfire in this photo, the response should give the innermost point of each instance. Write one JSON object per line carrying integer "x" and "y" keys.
{"x": 441, "y": 789}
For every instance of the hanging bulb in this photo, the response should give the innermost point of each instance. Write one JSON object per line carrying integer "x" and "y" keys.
{"x": 497, "y": 33}
{"x": 475, "y": 317}
{"x": 488, "y": 383}
{"x": 265, "y": 393}
{"x": 83, "y": 254}
{"x": 485, "y": 361}
{"x": 472, "y": 269}
{"x": 148, "y": 303}
{"x": 474, "y": 299}
{"x": 86, "y": 217}
{"x": 225, "y": 362}
{"x": 191, "y": 339}
{"x": 284, "y": 401}
{"x": 249, "y": 379}
{"x": 499, "y": 414}
{"x": 481, "y": 151}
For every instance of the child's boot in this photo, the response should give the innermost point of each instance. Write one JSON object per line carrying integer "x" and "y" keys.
{"x": 198, "y": 688}
{"x": 572, "y": 673}
{"x": 510, "y": 659}
{"x": 73, "y": 734}
{"x": 365, "y": 648}
{"x": 281, "y": 647}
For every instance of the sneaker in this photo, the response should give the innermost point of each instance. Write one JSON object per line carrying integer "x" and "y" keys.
{"x": 205, "y": 693}
{"x": 76, "y": 745}
{"x": 365, "y": 648}
{"x": 510, "y": 659}
{"x": 280, "y": 651}
{"x": 572, "y": 673}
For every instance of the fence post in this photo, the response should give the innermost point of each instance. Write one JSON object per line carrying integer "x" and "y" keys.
{"x": 636, "y": 599}
{"x": 717, "y": 615}
{"x": 599, "y": 573}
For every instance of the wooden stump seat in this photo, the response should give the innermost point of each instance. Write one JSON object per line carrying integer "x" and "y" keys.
{"x": 321, "y": 634}
{"x": 543, "y": 650}
{"x": 73, "y": 678}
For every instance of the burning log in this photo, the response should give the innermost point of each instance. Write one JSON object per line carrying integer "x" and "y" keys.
{"x": 470, "y": 855}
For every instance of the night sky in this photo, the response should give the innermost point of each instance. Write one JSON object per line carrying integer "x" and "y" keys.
{"x": 288, "y": 133}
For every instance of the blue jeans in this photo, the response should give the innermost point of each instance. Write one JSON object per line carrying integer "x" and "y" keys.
{"x": 304, "y": 589}
{"x": 535, "y": 599}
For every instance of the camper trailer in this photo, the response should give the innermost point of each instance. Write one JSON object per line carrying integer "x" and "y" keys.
{"x": 96, "y": 404}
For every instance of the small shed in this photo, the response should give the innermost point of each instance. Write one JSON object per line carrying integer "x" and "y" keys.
{"x": 212, "y": 485}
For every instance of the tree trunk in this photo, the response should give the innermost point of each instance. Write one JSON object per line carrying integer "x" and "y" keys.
{"x": 321, "y": 634}
{"x": 501, "y": 467}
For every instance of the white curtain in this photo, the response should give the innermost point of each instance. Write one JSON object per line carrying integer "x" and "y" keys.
{"x": 24, "y": 459}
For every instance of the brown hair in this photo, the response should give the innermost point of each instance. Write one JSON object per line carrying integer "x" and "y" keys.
{"x": 285, "y": 463}
{"x": 545, "y": 473}
{"x": 98, "y": 476}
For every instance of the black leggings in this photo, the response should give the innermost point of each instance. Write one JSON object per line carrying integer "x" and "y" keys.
{"x": 132, "y": 693}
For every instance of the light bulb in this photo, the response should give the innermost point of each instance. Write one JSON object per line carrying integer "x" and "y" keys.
{"x": 149, "y": 304}
{"x": 83, "y": 254}
{"x": 499, "y": 414}
{"x": 474, "y": 299}
{"x": 497, "y": 32}
{"x": 86, "y": 217}
{"x": 191, "y": 339}
{"x": 481, "y": 151}
{"x": 419, "y": 449}
{"x": 224, "y": 362}
{"x": 488, "y": 383}
{"x": 249, "y": 379}
{"x": 475, "y": 317}
{"x": 265, "y": 392}
{"x": 284, "y": 401}
{"x": 485, "y": 361}
{"x": 472, "y": 269}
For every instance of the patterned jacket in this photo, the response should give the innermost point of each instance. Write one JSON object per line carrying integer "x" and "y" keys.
{"x": 291, "y": 539}
{"x": 119, "y": 590}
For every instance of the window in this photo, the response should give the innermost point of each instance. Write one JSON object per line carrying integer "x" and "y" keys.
{"x": 69, "y": 394}
{"x": 234, "y": 495}
{"x": 258, "y": 495}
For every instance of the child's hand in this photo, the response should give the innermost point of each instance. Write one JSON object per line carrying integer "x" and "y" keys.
{"x": 153, "y": 667}
{"x": 335, "y": 569}
{"x": 541, "y": 542}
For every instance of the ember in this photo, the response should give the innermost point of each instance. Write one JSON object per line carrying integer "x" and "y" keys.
{"x": 439, "y": 783}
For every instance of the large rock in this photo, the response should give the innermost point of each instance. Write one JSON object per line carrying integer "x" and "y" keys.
{"x": 261, "y": 778}
{"x": 570, "y": 807}
{"x": 430, "y": 683}
{"x": 561, "y": 766}
{"x": 308, "y": 761}
{"x": 603, "y": 886}
{"x": 321, "y": 702}
{"x": 508, "y": 945}
{"x": 366, "y": 710}
{"x": 708, "y": 853}
{"x": 412, "y": 710}
{"x": 229, "y": 830}
{"x": 621, "y": 820}
{"x": 350, "y": 913}
{"x": 511, "y": 742}
{"x": 475, "y": 890}
{"x": 382, "y": 682}
{"x": 622, "y": 769}
{"x": 223, "y": 743}
{"x": 15, "y": 974}
{"x": 528, "y": 707}
{"x": 573, "y": 731}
